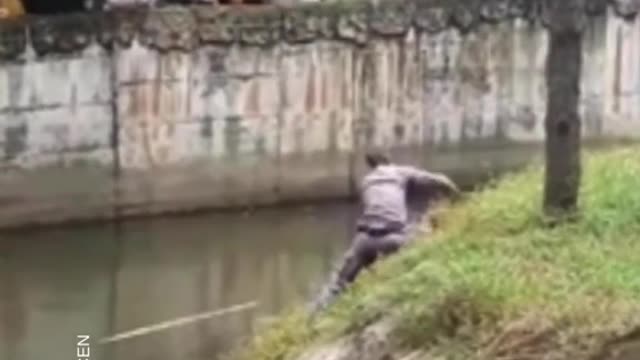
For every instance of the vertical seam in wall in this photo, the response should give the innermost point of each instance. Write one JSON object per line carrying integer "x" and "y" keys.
{"x": 617, "y": 71}
{"x": 282, "y": 103}
{"x": 420, "y": 91}
{"x": 115, "y": 130}
{"x": 354, "y": 122}
{"x": 189, "y": 80}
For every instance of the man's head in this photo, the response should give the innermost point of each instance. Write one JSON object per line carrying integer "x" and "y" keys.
{"x": 376, "y": 158}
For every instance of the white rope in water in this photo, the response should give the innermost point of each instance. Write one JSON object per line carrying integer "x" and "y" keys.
{"x": 177, "y": 322}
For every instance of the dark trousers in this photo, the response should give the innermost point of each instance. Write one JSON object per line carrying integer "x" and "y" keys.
{"x": 368, "y": 246}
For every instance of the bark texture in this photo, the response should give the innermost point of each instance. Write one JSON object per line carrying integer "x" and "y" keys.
{"x": 562, "y": 122}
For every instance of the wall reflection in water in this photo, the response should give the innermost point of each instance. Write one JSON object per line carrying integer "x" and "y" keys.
{"x": 104, "y": 279}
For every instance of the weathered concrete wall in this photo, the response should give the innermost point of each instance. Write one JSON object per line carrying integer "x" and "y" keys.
{"x": 129, "y": 113}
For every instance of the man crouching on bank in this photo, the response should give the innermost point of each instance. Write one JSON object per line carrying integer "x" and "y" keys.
{"x": 382, "y": 228}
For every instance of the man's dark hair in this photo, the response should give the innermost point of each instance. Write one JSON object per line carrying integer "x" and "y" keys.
{"x": 375, "y": 158}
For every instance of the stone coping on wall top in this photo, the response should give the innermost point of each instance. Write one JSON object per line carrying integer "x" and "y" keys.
{"x": 186, "y": 27}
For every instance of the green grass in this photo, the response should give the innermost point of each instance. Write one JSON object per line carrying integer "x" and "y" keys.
{"x": 494, "y": 270}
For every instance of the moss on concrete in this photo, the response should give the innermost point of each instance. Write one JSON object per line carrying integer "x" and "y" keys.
{"x": 184, "y": 28}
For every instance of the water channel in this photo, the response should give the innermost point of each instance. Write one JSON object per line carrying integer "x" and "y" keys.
{"x": 102, "y": 279}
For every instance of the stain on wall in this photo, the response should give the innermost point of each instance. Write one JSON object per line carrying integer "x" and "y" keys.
{"x": 15, "y": 141}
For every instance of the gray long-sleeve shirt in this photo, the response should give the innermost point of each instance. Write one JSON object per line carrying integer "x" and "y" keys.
{"x": 383, "y": 192}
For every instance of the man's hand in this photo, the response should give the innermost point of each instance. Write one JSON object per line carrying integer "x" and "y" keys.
{"x": 454, "y": 191}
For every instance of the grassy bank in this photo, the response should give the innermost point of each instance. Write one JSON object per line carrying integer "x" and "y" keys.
{"x": 495, "y": 281}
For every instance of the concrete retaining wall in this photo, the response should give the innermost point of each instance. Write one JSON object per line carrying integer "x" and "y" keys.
{"x": 144, "y": 112}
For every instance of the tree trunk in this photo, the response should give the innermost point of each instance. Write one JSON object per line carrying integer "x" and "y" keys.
{"x": 562, "y": 123}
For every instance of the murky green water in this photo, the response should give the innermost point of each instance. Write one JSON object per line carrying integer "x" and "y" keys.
{"x": 104, "y": 279}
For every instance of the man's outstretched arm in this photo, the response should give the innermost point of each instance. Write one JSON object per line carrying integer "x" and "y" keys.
{"x": 426, "y": 178}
